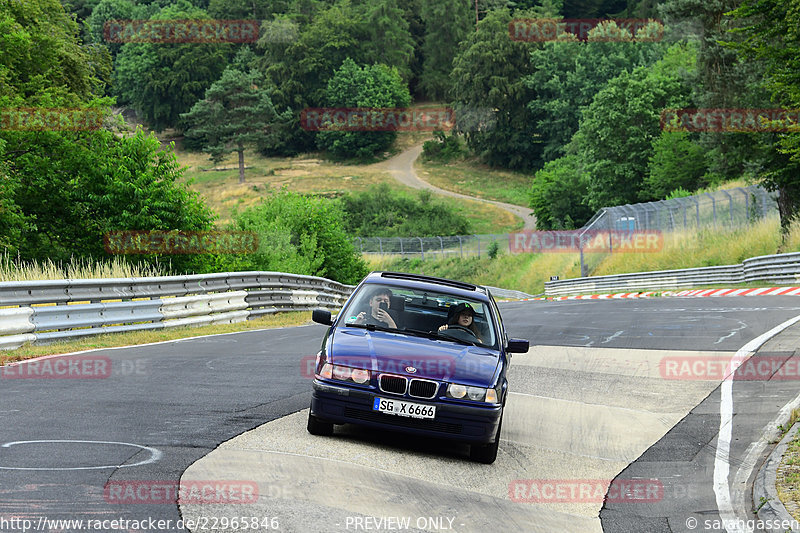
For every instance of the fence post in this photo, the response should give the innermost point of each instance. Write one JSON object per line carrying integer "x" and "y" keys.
{"x": 478, "y": 237}
{"x": 380, "y": 245}
{"x": 730, "y": 204}
{"x": 441, "y": 245}
{"x": 460, "y": 247}
{"x": 402, "y": 254}
{"x": 421, "y": 247}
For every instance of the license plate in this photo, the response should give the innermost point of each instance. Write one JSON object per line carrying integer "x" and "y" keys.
{"x": 401, "y": 408}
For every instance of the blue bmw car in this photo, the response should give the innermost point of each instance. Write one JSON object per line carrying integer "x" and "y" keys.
{"x": 416, "y": 354}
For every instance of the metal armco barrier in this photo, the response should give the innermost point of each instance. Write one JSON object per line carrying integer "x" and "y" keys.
{"x": 780, "y": 268}
{"x": 47, "y": 311}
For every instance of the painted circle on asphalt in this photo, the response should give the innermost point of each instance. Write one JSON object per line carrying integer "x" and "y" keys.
{"x": 155, "y": 454}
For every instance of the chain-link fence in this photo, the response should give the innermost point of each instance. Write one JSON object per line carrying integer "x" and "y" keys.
{"x": 729, "y": 208}
{"x": 433, "y": 247}
{"x": 725, "y": 208}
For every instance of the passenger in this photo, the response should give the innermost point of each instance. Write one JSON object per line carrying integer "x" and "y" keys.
{"x": 463, "y": 315}
{"x": 378, "y": 313}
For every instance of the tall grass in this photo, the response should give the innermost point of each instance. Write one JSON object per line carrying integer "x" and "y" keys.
{"x": 15, "y": 269}
{"x": 528, "y": 272}
{"x": 689, "y": 249}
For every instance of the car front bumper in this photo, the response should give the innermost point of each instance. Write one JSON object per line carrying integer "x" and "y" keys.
{"x": 345, "y": 405}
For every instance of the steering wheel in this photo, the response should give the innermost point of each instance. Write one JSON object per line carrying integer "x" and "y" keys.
{"x": 462, "y": 328}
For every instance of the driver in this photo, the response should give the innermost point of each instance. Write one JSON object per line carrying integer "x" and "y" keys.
{"x": 378, "y": 313}
{"x": 463, "y": 317}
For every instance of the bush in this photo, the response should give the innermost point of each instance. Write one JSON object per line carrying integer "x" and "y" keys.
{"x": 444, "y": 148}
{"x": 302, "y": 235}
{"x": 383, "y": 212}
{"x": 493, "y": 250}
{"x": 676, "y": 163}
{"x": 559, "y": 195}
{"x": 376, "y": 86}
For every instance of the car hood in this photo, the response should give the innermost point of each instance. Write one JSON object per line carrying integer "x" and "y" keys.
{"x": 411, "y": 356}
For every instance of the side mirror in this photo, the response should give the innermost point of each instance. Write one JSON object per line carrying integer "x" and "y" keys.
{"x": 322, "y": 316}
{"x": 517, "y": 346}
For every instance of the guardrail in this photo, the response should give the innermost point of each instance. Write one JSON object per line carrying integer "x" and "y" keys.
{"x": 779, "y": 268}
{"x": 47, "y": 311}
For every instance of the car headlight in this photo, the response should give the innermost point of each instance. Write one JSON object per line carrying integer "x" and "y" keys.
{"x": 344, "y": 373}
{"x": 476, "y": 394}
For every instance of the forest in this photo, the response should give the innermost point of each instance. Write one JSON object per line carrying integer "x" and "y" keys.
{"x": 583, "y": 116}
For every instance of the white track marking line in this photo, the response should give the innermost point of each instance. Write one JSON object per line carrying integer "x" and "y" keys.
{"x": 155, "y": 454}
{"x": 722, "y": 456}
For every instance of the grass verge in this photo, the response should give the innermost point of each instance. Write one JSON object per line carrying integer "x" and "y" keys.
{"x": 474, "y": 179}
{"x": 144, "y": 337}
{"x": 787, "y": 480}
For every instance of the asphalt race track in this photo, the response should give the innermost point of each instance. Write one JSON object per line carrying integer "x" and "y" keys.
{"x": 601, "y": 398}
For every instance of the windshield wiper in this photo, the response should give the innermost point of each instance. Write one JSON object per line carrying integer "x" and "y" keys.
{"x": 422, "y": 333}
{"x": 372, "y": 327}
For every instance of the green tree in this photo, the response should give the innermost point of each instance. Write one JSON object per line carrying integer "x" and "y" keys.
{"x": 104, "y": 11}
{"x": 771, "y": 35}
{"x": 677, "y": 163}
{"x": 160, "y": 80}
{"x": 487, "y": 76}
{"x": 618, "y": 128}
{"x": 304, "y": 235}
{"x": 559, "y": 194}
{"x": 566, "y": 76}
{"x": 75, "y": 186}
{"x": 376, "y": 86}
{"x": 234, "y": 114}
{"x": 389, "y": 38}
{"x": 447, "y": 23}
{"x": 41, "y": 58}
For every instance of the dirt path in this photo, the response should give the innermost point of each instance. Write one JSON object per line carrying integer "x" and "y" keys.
{"x": 401, "y": 167}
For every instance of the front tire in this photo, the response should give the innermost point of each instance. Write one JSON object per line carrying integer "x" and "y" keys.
{"x": 486, "y": 453}
{"x": 318, "y": 426}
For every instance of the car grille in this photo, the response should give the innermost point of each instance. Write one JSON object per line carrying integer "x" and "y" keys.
{"x": 393, "y": 384}
{"x": 417, "y": 423}
{"x": 418, "y": 388}
{"x": 421, "y": 388}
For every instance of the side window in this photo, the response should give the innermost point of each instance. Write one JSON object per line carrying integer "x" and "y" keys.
{"x": 500, "y": 326}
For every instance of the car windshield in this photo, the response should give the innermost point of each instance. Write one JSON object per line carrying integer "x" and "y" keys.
{"x": 418, "y": 312}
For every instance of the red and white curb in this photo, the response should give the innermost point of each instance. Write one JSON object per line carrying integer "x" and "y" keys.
{"x": 767, "y": 291}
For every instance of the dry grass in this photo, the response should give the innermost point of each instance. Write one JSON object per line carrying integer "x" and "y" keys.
{"x": 223, "y": 193}
{"x": 690, "y": 249}
{"x": 478, "y": 180}
{"x": 14, "y": 269}
{"x": 144, "y": 337}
